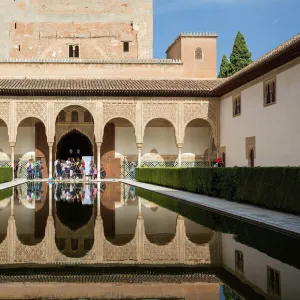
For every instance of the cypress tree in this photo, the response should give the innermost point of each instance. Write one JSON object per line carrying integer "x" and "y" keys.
{"x": 224, "y": 68}
{"x": 240, "y": 56}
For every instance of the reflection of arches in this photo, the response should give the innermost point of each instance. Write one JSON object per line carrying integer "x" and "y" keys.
{"x": 197, "y": 233}
{"x": 74, "y": 140}
{"x": 251, "y": 159}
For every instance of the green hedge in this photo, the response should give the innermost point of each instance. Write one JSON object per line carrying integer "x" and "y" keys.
{"x": 277, "y": 245}
{"x": 6, "y": 174}
{"x": 6, "y": 193}
{"x": 272, "y": 187}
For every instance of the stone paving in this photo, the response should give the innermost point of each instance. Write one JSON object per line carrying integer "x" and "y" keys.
{"x": 275, "y": 220}
{"x": 12, "y": 183}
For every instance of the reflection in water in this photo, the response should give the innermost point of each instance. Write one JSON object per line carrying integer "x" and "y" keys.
{"x": 116, "y": 224}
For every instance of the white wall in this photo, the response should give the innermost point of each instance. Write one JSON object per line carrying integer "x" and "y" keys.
{"x": 25, "y": 146}
{"x": 255, "y": 268}
{"x": 163, "y": 140}
{"x": 276, "y": 127}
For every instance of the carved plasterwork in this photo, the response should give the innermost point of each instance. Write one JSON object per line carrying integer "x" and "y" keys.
{"x": 64, "y": 129}
{"x": 124, "y": 110}
{"x": 4, "y": 112}
{"x": 89, "y": 105}
{"x": 31, "y": 109}
{"x": 167, "y": 111}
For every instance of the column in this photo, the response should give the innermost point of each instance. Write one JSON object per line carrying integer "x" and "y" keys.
{"x": 98, "y": 160}
{"x": 50, "y": 160}
{"x": 12, "y": 148}
{"x": 50, "y": 199}
{"x": 98, "y": 199}
{"x": 12, "y": 202}
{"x": 140, "y": 207}
{"x": 139, "y": 154}
{"x": 179, "y": 146}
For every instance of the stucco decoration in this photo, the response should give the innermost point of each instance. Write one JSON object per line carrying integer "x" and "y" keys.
{"x": 63, "y": 129}
{"x": 4, "y": 112}
{"x": 138, "y": 250}
{"x": 88, "y": 105}
{"x": 125, "y": 110}
{"x": 167, "y": 111}
{"x": 31, "y": 110}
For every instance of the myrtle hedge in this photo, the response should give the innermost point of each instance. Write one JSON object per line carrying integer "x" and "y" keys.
{"x": 6, "y": 193}
{"x": 277, "y": 245}
{"x": 6, "y": 174}
{"x": 272, "y": 187}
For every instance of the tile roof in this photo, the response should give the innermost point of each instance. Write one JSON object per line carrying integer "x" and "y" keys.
{"x": 108, "y": 87}
{"x": 279, "y": 56}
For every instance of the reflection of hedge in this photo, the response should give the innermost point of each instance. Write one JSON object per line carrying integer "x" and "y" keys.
{"x": 6, "y": 193}
{"x": 274, "y": 244}
{"x": 275, "y": 188}
{"x": 5, "y": 174}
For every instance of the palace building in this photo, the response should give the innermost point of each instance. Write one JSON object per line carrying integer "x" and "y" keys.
{"x": 80, "y": 76}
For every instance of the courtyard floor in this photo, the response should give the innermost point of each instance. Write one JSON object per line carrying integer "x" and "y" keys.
{"x": 283, "y": 222}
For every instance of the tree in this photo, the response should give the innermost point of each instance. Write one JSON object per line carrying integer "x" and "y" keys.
{"x": 224, "y": 68}
{"x": 240, "y": 56}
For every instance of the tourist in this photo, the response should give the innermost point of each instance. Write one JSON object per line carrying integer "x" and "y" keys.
{"x": 29, "y": 168}
{"x": 55, "y": 163}
{"x": 83, "y": 169}
{"x": 132, "y": 170}
{"x": 102, "y": 172}
{"x": 58, "y": 169}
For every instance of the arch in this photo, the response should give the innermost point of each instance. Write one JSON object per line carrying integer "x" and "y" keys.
{"x": 91, "y": 107}
{"x": 69, "y": 130}
{"x": 74, "y": 116}
{"x": 196, "y": 233}
{"x": 4, "y": 143}
{"x": 31, "y": 117}
{"x": 210, "y": 122}
{"x": 199, "y": 54}
{"x": 62, "y": 116}
{"x": 160, "y": 118}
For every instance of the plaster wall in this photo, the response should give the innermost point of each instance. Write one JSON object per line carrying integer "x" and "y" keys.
{"x": 255, "y": 268}
{"x": 25, "y": 146}
{"x": 275, "y": 127}
{"x": 138, "y": 14}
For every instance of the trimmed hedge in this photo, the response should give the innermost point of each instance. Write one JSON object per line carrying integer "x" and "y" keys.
{"x": 277, "y": 245}
{"x": 6, "y": 174}
{"x": 271, "y": 187}
{"x": 6, "y": 193}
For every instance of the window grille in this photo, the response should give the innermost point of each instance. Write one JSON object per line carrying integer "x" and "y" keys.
{"x": 198, "y": 54}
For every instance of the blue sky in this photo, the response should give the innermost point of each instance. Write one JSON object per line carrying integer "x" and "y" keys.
{"x": 264, "y": 23}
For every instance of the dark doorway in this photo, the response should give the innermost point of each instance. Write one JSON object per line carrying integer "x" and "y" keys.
{"x": 251, "y": 159}
{"x": 224, "y": 159}
{"x": 78, "y": 143}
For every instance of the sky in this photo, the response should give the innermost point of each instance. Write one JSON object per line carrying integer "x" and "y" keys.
{"x": 264, "y": 23}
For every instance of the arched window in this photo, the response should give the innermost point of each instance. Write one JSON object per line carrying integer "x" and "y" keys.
{"x": 62, "y": 116}
{"x": 74, "y": 244}
{"x": 74, "y": 116}
{"x": 251, "y": 159}
{"x": 87, "y": 117}
{"x": 198, "y": 54}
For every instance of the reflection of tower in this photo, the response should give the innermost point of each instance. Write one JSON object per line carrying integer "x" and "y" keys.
{"x": 108, "y": 199}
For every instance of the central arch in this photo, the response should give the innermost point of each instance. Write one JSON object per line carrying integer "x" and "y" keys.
{"x": 74, "y": 144}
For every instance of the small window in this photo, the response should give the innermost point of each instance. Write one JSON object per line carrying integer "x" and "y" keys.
{"x": 74, "y": 116}
{"x": 62, "y": 116}
{"x": 198, "y": 54}
{"x": 87, "y": 117}
{"x": 251, "y": 159}
{"x": 73, "y": 51}
{"x": 74, "y": 244}
{"x": 125, "y": 46}
{"x": 273, "y": 282}
{"x": 239, "y": 261}
{"x": 270, "y": 92}
{"x": 237, "y": 106}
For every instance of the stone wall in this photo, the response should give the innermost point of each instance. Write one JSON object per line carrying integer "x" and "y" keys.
{"x": 45, "y": 28}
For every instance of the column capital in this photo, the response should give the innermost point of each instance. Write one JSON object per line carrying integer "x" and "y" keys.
{"x": 179, "y": 145}
{"x": 139, "y": 145}
{"x": 98, "y": 144}
{"x": 12, "y": 144}
{"x": 50, "y": 144}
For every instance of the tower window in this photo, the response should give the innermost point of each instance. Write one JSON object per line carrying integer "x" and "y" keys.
{"x": 62, "y": 116}
{"x": 239, "y": 261}
{"x": 125, "y": 46}
{"x": 73, "y": 51}
{"x": 198, "y": 54}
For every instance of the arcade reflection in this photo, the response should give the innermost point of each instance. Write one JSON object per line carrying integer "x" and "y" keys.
{"x": 75, "y": 210}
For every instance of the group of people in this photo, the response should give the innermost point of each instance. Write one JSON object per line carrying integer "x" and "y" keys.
{"x": 34, "y": 192}
{"x": 76, "y": 168}
{"x": 34, "y": 169}
{"x": 77, "y": 193}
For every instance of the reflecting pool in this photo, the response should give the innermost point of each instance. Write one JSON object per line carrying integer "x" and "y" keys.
{"x": 114, "y": 241}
